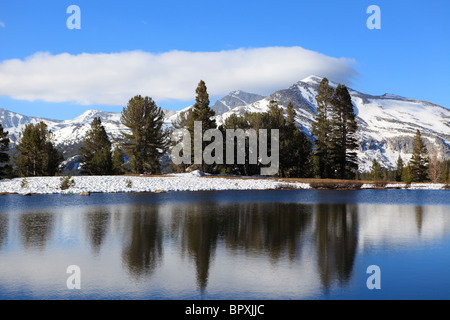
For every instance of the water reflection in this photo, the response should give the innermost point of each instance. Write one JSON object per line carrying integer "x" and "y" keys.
{"x": 97, "y": 223}
{"x": 36, "y": 229}
{"x": 336, "y": 238}
{"x": 210, "y": 246}
{"x": 143, "y": 247}
{"x": 3, "y": 229}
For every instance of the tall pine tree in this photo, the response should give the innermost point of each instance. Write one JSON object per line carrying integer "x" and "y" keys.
{"x": 147, "y": 141}
{"x": 118, "y": 161}
{"x": 399, "y": 170}
{"x": 96, "y": 151}
{"x": 201, "y": 112}
{"x": 321, "y": 129}
{"x": 4, "y": 147}
{"x": 295, "y": 149}
{"x": 419, "y": 160}
{"x": 343, "y": 142}
{"x": 37, "y": 156}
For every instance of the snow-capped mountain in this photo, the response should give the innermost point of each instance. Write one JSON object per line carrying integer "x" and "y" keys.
{"x": 235, "y": 99}
{"x": 387, "y": 123}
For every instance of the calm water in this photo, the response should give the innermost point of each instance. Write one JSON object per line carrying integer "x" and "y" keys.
{"x": 284, "y": 244}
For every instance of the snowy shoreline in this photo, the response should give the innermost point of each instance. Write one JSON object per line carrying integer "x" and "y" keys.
{"x": 194, "y": 181}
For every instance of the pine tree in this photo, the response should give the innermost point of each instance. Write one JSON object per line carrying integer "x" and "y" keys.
{"x": 118, "y": 161}
{"x": 201, "y": 112}
{"x": 4, "y": 147}
{"x": 96, "y": 151}
{"x": 419, "y": 160}
{"x": 295, "y": 149}
{"x": 399, "y": 170}
{"x": 235, "y": 122}
{"x": 37, "y": 156}
{"x": 321, "y": 129}
{"x": 343, "y": 142}
{"x": 376, "y": 174}
{"x": 406, "y": 175}
{"x": 445, "y": 171}
{"x": 147, "y": 141}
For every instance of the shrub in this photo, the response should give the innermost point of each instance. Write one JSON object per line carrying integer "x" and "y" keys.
{"x": 67, "y": 182}
{"x": 24, "y": 183}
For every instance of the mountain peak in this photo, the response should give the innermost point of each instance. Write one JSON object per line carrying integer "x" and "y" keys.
{"x": 235, "y": 99}
{"x": 313, "y": 79}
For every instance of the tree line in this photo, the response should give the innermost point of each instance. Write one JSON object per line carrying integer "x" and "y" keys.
{"x": 330, "y": 151}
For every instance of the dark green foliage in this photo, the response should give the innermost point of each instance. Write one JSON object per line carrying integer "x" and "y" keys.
{"x": 321, "y": 129}
{"x": 235, "y": 122}
{"x": 67, "y": 182}
{"x": 406, "y": 175}
{"x": 37, "y": 155}
{"x": 445, "y": 171}
{"x": 419, "y": 160}
{"x": 399, "y": 170}
{"x": 335, "y": 133}
{"x": 377, "y": 172}
{"x": 4, "y": 147}
{"x": 201, "y": 112}
{"x": 147, "y": 141}
{"x": 96, "y": 151}
{"x": 343, "y": 140}
{"x": 118, "y": 161}
{"x": 295, "y": 149}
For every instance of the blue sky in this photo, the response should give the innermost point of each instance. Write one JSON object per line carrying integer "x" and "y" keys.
{"x": 163, "y": 48}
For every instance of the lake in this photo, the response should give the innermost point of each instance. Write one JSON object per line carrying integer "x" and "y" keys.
{"x": 265, "y": 245}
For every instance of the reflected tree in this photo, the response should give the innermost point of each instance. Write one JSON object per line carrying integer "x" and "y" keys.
{"x": 336, "y": 238}
{"x": 36, "y": 229}
{"x": 419, "y": 218}
{"x": 201, "y": 230}
{"x": 3, "y": 229}
{"x": 97, "y": 224}
{"x": 273, "y": 228}
{"x": 144, "y": 251}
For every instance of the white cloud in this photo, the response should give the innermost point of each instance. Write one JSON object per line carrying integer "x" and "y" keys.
{"x": 2, "y": 24}
{"x": 113, "y": 78}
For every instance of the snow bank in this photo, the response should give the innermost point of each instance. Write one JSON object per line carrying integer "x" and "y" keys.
{"x": 193, "y": 181}
{"x": 113, "y": 184}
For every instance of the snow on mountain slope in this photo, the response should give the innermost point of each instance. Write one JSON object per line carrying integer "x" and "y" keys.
{"x": 235, "y": 99}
